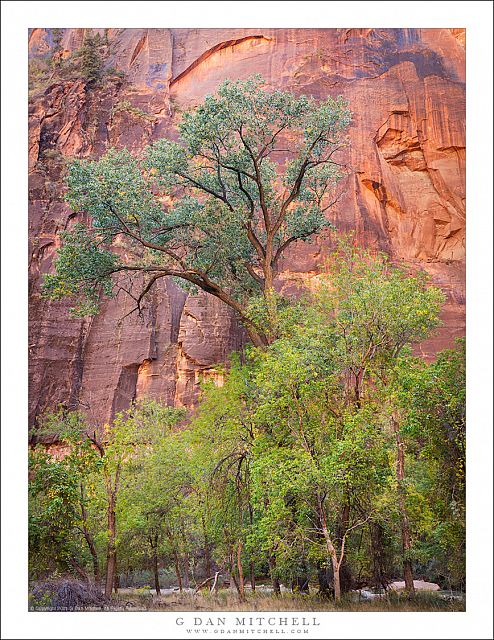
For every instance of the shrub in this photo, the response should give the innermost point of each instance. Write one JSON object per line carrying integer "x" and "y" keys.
{"x": 65, "y": 595}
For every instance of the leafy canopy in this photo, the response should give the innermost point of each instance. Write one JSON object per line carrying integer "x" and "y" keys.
{"x": 216, "y": 209}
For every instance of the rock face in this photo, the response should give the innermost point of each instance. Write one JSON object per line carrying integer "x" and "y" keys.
{"x": 405, "y": 193}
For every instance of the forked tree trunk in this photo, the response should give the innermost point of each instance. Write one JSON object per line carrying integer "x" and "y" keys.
{"x": 335, "y": 561}
{"x": 230, "y": 571}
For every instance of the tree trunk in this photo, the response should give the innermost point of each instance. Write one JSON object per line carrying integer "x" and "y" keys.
{"x": 300, "y": 584}
{"x": 207, "y": 559}
{"x": 252, "y": 577}
{"x": 241, "y": 585}
{"x": 235, "y": 582}
{"x": 186, "y": 562}
{"x": 336, "y": 577}
{"x": 177, "y": 569}
{"x": 331, "y": 551}
{"x": 89, "y": 538}
{"x": 346, "y": 579}
{"x": 276, "y": 582}
{"x": 186, "y": 567}
{"x": 111, "y": 557}
{"x": 207, "y": 551}
{"x": 116, "y": 582}
{"x": 214, "y": 587}
{"x": 79, "y": 570}
{"x": 229, "y": 570}
{"x": 110, "y": 573}
{"x": 405, "y": 525}
{"x": 156, "y": 572}
{"x": 378, "y": 556}
{"x": 94, "y": 555}
{"x": 256, "y": 338}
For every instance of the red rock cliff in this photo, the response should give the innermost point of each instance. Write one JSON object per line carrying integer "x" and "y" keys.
{"x": 405, "y": 193}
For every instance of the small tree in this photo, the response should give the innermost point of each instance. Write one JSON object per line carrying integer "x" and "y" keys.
{"x": 90, "y": 57}
{"x": 316, "y": 417}
{"x": 57, "y": 46}
{"x": 98, "y": 466}
{"x": 221, "y": 438}
{"x": 216, "y": 210}
{"x": 60, "y": 492}
{"x": 378, "y": 310}
{"x": 431, "y": 400}
{"x": 153, "y": 494}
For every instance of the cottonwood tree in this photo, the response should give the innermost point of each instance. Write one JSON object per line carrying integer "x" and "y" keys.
{"x": 377, "y": 310}
{"x": 220, "y": 439}
{"x": 216, "y": 210}
{"x": 431, "y": 400}
{"x": 323, "y": 418}
{"x": 153, "y": 500}
{"x": 131, "y": 434}
{"x": 93, "y": 480}
{"x": 61, "y": 496}
{"x": 312, "y": 458}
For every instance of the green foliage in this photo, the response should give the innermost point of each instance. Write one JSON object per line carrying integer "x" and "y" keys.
{"x": 91, "y": 62}
{"x": 126, "y": 107}
{"x": 88, "y": 62}
{"x": 305, "y": 419}
{"x": 290, "y": 466}
{"x": 215, "y": 210}
{"x": 57, "y": 35}
{"x": 433, "y": 402}
{"x": 59, "y": 492}
{"x": 69, "y": 494}
{"x": 83, "y": 270}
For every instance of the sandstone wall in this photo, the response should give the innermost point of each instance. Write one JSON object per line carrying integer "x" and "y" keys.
{"x": 405, "y": 193}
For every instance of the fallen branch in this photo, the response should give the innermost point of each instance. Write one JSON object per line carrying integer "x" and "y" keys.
{"x": 205, "y": 582}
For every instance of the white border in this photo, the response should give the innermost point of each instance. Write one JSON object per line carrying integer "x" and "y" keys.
{"x": 16, "y": 18}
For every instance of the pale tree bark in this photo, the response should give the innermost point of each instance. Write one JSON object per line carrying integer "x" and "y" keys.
{"x": 335, "y": 557}
{"x": 241, "y": 584}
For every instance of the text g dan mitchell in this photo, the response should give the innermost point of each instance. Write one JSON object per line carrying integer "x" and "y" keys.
{"x": 250, "y": 621}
